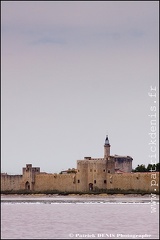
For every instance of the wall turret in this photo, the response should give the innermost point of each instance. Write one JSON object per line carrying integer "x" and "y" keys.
{"x": 29, "y": 176}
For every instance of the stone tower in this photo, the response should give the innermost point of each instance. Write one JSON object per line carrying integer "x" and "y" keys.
{"x": 29, "y": 172}
{"x": 106, "y": 148}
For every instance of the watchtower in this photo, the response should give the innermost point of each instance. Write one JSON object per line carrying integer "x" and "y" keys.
{"x": 106, "y": 148}
{"x": 29, "y": 176}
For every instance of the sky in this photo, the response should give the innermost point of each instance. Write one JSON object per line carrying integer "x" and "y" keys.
{"x": 73, "y": 72}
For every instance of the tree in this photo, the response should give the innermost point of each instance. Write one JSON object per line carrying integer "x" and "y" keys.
{"x": 157, "y": 167}
{"x": 140, "y": 168}
{"x": 150, "y": 168}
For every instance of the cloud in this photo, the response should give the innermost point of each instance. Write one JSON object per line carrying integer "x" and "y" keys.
{"x": 76, "y": 66}
{"x": 48, "y": 40}
{"x": 79, "y": 24}
{"x": 98, "y": 15}
{"x": 82, "y": 24}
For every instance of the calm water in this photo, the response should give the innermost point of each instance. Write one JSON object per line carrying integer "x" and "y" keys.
{"x": 79, "y": 217}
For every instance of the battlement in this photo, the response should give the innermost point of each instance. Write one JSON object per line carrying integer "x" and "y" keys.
{"x": 29, "y": 168}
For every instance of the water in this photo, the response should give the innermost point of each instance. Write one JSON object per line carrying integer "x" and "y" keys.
{"x": 49, "y": 217}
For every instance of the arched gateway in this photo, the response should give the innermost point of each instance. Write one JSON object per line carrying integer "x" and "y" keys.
{"x": 27, "y": 185}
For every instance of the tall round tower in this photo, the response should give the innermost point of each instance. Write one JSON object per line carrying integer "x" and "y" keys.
{"x": 106, "y": 148}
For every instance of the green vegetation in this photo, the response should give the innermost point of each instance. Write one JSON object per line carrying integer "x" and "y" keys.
{"x": 149, "y": 168}
{"x": 97, "y": 191}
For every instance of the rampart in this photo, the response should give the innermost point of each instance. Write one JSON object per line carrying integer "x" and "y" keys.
{"x": 142, "y": 181}
{"x": 58, "y": 182}
{"x": 11, "y": 182}
{"x": 44, "y": 182}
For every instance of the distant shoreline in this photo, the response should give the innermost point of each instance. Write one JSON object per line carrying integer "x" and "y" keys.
{"x": 79, "y": 195}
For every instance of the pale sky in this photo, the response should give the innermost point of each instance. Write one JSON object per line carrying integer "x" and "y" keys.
{"x": 73, "y": 72}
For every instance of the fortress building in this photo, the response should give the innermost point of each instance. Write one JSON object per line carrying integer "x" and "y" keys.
{"x": 91, "y": 174}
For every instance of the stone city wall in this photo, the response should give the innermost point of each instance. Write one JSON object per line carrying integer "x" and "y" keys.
{"x": 138, "y": 181}
{"x": 80, "y": 182}
{"x": 60, "y": 182}
{"x": 11, "y": 182}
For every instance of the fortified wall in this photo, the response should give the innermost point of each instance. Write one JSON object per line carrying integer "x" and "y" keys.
{"x": 141, "y": 181}
{"x": 55, "y": 182}
{"x": 11, "y": 182}
{"x": 74, "y": 182}
{"x": 92, "y": 174}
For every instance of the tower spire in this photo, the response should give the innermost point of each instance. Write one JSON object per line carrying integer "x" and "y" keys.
{"x": 106, "y": 141}
{"x": 106, "y": 148}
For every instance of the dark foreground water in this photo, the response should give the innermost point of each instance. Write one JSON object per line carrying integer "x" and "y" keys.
{"x": 79, "y": 217}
